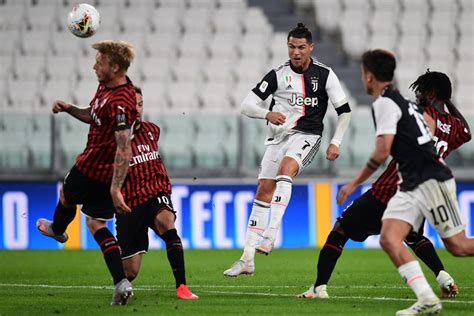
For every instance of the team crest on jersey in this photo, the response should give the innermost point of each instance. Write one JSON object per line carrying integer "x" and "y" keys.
{"x": 150, "y": 135}
{"x": 314, "y": 84}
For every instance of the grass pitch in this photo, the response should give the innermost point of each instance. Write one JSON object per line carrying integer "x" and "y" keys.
{"x": 77, "y": 282}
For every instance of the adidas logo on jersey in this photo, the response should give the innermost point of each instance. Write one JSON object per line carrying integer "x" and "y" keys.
{"x": 296, "y": 100}
{"x": 289, "y": 87}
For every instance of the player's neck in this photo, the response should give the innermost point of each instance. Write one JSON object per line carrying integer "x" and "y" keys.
{"x": 378, "y": 87}
{"x": 303, "y": 67}
{"x": 115, "y": 82}
{"x": 439, "y": 106}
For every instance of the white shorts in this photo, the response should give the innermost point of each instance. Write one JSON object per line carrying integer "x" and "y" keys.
{"x": 434, "y": 200}
{"x": 299, "y": 146}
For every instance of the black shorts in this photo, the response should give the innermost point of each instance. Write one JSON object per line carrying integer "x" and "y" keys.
{"x": 363, "y": 217}
{"x": 132, "y": 229}
{"x": 94, "y": 196}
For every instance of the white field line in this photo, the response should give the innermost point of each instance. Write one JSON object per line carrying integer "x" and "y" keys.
{"x": 233, "y": 293}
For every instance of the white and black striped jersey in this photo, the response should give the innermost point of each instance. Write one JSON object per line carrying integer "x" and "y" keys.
{"x": 302, "y": 97}
{"x": 413, "y": 146}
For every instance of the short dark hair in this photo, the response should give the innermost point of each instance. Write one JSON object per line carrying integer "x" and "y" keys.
{"x": 434, "y": 81}
{"x": 301, "y": 31}
{"x": 138, "y": 90}
{"x": 381, "y": 63}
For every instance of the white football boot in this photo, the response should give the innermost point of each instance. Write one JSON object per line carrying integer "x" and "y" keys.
{"x": 449, "y": 289}
{"x": 265, "y": 245}
{"x": 422, "y": 308}
{"x": 318, "y": 292}
{"x": 240, "y": 267}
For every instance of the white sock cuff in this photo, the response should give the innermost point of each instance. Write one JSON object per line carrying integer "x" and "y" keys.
{"x": 261, "y": 203}
{"x": 284, "y": 178}
{"x": 409, "y": 265}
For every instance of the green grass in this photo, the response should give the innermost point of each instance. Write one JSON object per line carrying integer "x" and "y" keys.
{"x": 77, "y": 282}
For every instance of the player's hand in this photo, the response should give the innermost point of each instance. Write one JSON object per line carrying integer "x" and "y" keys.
{"x": 332, "y": 153}
{"x": 119, "y": 202}
{"x": 276, "y": 118}
{"x": 344, "y": 193}
{"x": 60, "y": 106}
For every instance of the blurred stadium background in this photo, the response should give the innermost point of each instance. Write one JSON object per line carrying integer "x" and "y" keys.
{"x": 196, "y": 60}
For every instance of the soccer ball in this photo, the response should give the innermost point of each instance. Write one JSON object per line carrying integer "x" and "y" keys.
{"x": 83, "y": 20}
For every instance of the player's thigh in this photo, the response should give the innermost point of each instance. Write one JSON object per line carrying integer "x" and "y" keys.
{"x": 271, "y": 161}
{"x": 162, "y": 213}
{"x": 132, "y": 231}
{"x": 404, "y": 206}
{"x": 92, "y": 195}
{"x": 363, "y": 217}
{"x": 303, "y": 148}
{"x": 441, "y": 207}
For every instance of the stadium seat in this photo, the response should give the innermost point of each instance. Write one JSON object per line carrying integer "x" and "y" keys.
{"x": 363, "y": 141}
{"x": 219, "y": 70}
{"x": 40, "y": 17}
{"x": 29, "y": 67}
{"x": 188, "y": 70}
{"x": 327, "y": 14}
{"x": 227, "y": 21}
{"x": 56, "y": 90}
{"x": 223, "y": 46}
{"x": 214, "y": 98}
{"x": 162, "y": 44}
{"x": 176, "y": 144}
{"x": 154, "y": 97}
{"x": 73, "y": 138}
{"x": 192, "y": 45}
{"x": 254, "y": 132}
{"x": 183, "y": 97}
{"x": 60, "y": 67}
{"x": 210, "y": 147}
{"x": 39, "y": 141}
{"x": 197, "y": 20}
{"x": 23, "y": 95}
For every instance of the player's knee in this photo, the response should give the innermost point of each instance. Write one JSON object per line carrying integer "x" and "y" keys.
{"x": 94, "y": 225}
{"x": 62, "y": 199}
{"x": 386, "y": 242}
{"x": 338, "y": 229}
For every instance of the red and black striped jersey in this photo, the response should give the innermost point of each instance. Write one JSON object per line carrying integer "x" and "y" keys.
{"x": 450, "y": 134}
{"x": 112, "y": 109}
{"x": 147, "y": 175}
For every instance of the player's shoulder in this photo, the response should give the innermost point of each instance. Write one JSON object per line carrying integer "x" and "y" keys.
{"x": 282, "y": 66}
{"x": 150, "y": 126}
{"x": 319, "y": 64}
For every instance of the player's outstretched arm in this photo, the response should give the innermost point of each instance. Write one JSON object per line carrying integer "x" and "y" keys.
{"x": 121, "y": 164}
{"x": 82, "y": 114}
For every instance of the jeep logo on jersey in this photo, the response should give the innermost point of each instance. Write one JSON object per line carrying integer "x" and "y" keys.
{"x": 296, "y": 100}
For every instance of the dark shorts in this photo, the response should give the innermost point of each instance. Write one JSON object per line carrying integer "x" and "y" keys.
{"x": 94, "y": 196}
{"x": 132, "y": 229}
{"x": 363, "y": 217}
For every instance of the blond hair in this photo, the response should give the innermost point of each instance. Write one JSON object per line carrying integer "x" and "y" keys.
{"x": 118, "y": 52}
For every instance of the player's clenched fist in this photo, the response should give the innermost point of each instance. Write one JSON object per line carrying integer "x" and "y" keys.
{"x": 60, "y": 106}
{"x": 276, "y": 118}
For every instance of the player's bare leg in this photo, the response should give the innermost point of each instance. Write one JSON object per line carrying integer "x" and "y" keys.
{"x": 163, "y": 225}
{"x": 257, "y": 223}
{"x": 393, "y": 233}
{"x": 459, "y": 245}
{"x": 281, "y": 197}
{"x": 131, "y": 266}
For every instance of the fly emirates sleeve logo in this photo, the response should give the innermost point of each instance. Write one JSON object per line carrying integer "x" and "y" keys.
{"x": 144, "y": 154}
